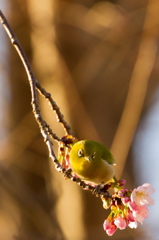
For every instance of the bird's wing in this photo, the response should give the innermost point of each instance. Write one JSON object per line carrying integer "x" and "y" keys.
{"x": 107, "y": 156}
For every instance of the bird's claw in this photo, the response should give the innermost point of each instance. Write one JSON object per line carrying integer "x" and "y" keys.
{"x": 98, "y": 188}
{"x": 67, "y": 173}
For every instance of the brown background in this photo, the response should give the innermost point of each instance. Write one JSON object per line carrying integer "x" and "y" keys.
{"x": 90, "y": 55}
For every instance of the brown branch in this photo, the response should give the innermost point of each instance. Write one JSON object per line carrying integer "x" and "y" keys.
{"x": 60, "y": 117}
{"x": 44, "y": 127}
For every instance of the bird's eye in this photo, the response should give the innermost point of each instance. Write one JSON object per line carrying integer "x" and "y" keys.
{"x": 80, "y": 153}
{"x": 94, "y": 154}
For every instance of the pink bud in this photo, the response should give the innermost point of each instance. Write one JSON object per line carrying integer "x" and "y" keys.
{"x": 111, "y": 230}
{"x": 109, "y": 227}
{"x": 129, "y": 216}
{"x": 132, "y": 224}
{"x": 122, "y": 182}
{"x": 120, "y": 223}
{"x": 125, "y": 200}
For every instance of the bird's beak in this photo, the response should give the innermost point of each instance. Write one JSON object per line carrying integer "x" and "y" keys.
{"x": 88, "y": 159}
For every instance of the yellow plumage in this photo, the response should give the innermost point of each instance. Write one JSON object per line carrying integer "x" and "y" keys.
{"x": 92, "y": 162}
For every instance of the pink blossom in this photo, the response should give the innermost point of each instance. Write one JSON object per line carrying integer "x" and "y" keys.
{"x": 141, "y": 195}
{"x": 139, "y": 212}
{"x": 129, "y": 216}
{"x": 120, "y": 222}
{"x": 125, "y": 200}
{"x": 109, "y": 227}
{"x": 132, "y": 206}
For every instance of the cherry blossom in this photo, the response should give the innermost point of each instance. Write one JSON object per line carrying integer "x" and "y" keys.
{"x": 141, "y": 195}
{"x": 128, "y": 208}
{"x": 139, "y": 212}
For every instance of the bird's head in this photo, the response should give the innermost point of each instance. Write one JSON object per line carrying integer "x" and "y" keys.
{"x": 85, "y": 150}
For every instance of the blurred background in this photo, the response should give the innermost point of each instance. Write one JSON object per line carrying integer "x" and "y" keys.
{"x": 99, "y": 60}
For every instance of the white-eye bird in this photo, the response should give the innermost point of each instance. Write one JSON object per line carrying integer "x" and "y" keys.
{"x": 92, "y": 162}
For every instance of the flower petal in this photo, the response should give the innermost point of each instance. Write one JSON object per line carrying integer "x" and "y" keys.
{"x": 149, "y": 188}
{"x": 133, "y": 224}
{"x": 141, "y": 195}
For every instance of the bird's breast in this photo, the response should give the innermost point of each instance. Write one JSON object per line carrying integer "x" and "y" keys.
{"x": 97, "y": 172}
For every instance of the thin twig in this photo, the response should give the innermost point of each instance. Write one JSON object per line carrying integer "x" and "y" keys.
{"x": 33, "y": 81}
{"x": 44, "y": 127}
{"x": 60, "y": 117}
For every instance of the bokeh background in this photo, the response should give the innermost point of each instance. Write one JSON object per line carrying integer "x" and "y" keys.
{"x": 100, "y": 62}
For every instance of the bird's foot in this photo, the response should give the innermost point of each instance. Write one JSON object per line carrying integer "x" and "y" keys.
{"x": 67, "y": 173}
{"x": 98, "y": 188}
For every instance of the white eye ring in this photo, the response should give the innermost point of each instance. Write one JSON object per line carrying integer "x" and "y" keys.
{"x": 80, "y": 153}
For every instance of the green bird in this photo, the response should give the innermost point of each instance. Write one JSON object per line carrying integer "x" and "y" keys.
{"x": 92, "y": 162}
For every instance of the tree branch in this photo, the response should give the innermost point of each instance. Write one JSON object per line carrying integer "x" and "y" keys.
{"x": 46, "y": 131}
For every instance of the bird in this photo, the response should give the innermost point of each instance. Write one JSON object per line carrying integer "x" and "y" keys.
{"x": 92, "y": 162}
